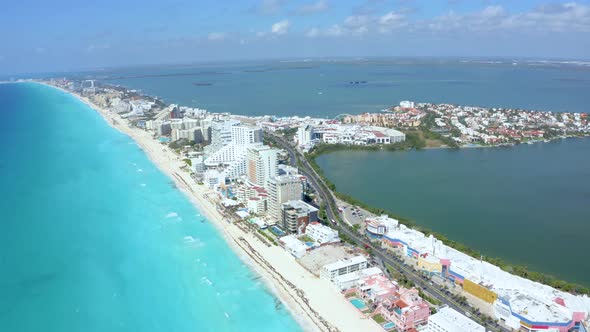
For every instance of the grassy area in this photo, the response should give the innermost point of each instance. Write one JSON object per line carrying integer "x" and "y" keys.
{"x": 306, "y": 238}
{"x": 268, "y": 237}
{"x": 379, "y": 319}
{"x": 430, "y": 141}
{"x": 518, "y": 270}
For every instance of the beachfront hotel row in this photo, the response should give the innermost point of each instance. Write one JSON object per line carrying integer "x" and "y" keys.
{"x": 251, "y": 182}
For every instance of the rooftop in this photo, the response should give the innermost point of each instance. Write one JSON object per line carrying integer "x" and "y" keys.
{"x": 452, "y": 320}
{"x": 345, "y": 262}
{"x": 321, "y": 256}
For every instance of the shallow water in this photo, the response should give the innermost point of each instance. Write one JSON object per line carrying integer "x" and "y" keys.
{"x": 95, "y": 238}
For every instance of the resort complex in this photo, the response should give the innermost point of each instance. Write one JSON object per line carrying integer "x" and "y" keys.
{"x": 518, "y": 302}
{"x": 252, "y": 170}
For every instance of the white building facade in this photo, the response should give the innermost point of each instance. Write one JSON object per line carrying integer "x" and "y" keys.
{"x": 342, "y": 267}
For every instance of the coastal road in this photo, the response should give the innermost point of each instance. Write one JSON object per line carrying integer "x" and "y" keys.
{"x": 326, "y": 195}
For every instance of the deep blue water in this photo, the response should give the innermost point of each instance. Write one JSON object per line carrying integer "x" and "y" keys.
{"x": 528, "y": 204}
{"x": 93, "y": 234}
{"x": 324, "y": 89}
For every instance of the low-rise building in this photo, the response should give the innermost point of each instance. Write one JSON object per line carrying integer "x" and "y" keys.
{"x": 321, "y": 234}
{"x": 450, "y": 320}
{"x": 344, "y": 266}
{"x": 378, "y": 226}
{"x": 293, "y": 245}
{"x": 350, "y": 280}
{"x": 409, "y": 311}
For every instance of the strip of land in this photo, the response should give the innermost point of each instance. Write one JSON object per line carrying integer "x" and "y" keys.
{"x": 314, "y": 302}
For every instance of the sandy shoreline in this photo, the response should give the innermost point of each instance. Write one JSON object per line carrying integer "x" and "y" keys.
{"x": 314, "y": 303}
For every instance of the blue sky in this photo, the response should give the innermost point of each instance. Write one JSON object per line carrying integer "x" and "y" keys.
{"x": 72, "y": 34}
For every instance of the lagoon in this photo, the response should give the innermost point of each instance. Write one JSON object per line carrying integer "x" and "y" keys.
{"x": 528, "y": 204}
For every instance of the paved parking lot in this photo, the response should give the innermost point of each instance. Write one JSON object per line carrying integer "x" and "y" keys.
{"x": 352, "y": 215}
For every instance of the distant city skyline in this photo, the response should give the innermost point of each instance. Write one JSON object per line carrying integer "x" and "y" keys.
{"x": 65, "y": 35}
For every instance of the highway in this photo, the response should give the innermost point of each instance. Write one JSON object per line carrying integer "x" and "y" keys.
{"x": 385, "y": 256}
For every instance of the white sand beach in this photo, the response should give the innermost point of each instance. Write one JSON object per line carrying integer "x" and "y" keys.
{"x": 315, "y": 303}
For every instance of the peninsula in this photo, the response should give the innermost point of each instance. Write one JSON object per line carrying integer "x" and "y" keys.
{"x": 249, "y": 176}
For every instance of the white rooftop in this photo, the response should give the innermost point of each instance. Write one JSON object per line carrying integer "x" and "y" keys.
{"x": 371, "y": 271}
{"x": 345, "y": 262}
{"x": 352, "y": 276}
{"x": 498, "y": 280}
{"x": 451, "y": 320}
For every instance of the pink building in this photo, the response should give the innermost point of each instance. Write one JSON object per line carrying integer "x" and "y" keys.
{"x": 408, "y": 312}
{"x": 378, "y": 289}
{"x": 402, "y": 306}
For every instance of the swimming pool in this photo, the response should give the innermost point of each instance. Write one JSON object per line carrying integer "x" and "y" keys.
{"x": 277, "y": 231}
{"x": 388, "y": 325}
{"x": 359, "y": 304}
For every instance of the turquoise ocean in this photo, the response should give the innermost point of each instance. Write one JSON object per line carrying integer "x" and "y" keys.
{"x": 95, "y": 238}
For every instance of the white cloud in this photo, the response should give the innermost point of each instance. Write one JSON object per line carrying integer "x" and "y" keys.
{"x": 313, "y": 32}
{"x": 361, "y": 24}
{"x": 549, "y": 18}
{"x": 96, "y": 47}
{"x": 269, "y": 7}
{"x": 391, "y": 21}
{"x": 492, "y": 11}
{"x": 334, "y": 31}
{"x": 280, "y": 28}
{"x": 557, "y": 18}
{"x": 357, "y": 24}
{"x": 356, "y": 21}
{"x": 314, "y": 8}
{"x": 217, "y": 36}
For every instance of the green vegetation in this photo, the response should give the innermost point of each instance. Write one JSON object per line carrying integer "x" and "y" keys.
{"x": 518, "y": 270}
{"x": 428, "y": 298}
{"x": 179, "y": 144}
{"x": 289, "y": 133}
{"x": 379, "y": 319}
{"x": 268, "y": 237}
{"x": 188, "y": 161}
{"x": 347, "y": 239}
{"x": 306, "y": 238}
{"x": 353, "y": 294}
{"x": 401, "y": 279}
{"x": 428, "y": 123}
{"x": 269, "y": 140}
{"x": 322, "y": 213}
